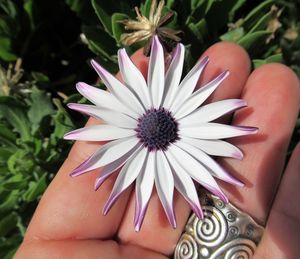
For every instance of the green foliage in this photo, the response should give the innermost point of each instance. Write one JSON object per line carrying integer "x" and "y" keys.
{"x": 55, "y": 40}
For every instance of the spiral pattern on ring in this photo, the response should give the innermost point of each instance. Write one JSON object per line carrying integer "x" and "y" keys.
{"x": 212, "y": 230}
{"x": 186, "y": 248}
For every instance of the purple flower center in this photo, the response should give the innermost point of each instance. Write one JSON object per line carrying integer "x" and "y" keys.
{"x": 157, "y": 129}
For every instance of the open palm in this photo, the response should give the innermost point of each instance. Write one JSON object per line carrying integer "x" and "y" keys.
{"x": 68, "y": 222}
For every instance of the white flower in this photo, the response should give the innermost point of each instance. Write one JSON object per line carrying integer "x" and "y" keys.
{"x": 158, "y": 133}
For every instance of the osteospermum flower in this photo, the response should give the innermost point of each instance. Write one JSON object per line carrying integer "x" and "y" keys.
{"x": 158, "y": 133}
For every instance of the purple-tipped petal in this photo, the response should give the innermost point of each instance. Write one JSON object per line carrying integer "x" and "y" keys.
{"x": 215, "y": 169}
{"x": 134, "y": 78}
{"x": 143, "y": 190}
{"x": 107, "y": 154}
{"x": 188, "y": 84}
{"x": 102, "y": 98}
{"x": 185, "y": 185}
{"x": 195, "y": 169}
{"x": 198, "y": 97}
{"x": 111, "y": 117}
{"x": 164, "y": 183}
{"x": 156, "y": 72}
{"x": 118, "y": 89}
{"x": 173, "y": 76}
{"x": 99, "y": 133}
{"x": 127, "y": 175}
{"x": 216, "y": 131}
{"x": 215, "y": 147}
{"x": 109, "y": 169}
{"x": 212, "y": 112}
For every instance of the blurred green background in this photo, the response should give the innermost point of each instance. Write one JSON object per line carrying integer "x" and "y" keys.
{"x": 45, "y": 48}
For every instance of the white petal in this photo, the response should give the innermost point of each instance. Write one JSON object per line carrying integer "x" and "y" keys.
{"x": 197, "y": 171}
{"x": 173, "y": 76}
{"x": 214, "y": 168}
{"x": 215, "y": 147}
{"x": 120, "y": 91}
{"x": 143, "y": 189}
{"x": 156, "y": 72}
{"x": 198, "y": 97}
{"x": 212, "y": 111}
{"x": 164, "y": 183}
{"x": 134, "y": 78}
{"x": 109, "y": 116}
{"x": 127, "y": 175}
{"x": 188, "y": 84}
{"x": 185, "y": 185}
{"x": 111, "y": 168}
{"x": 103, "y": 98}
{"x": 99, "y": 133}
{"x": 107, "y": 154}
{"x": 215, "y": 131}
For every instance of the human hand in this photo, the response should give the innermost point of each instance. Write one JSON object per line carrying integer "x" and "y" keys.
{"x": 68, "y": 222}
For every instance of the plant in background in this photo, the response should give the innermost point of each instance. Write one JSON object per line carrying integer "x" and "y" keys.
{"x": 145, "y": 29}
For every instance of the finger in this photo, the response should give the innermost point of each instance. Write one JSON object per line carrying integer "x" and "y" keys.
{"x": 272, "y": 94}
{"x": 78, "y": 249}
{"x": 281, "y": 238}
{"x": 70, "y": 208}
{"x": 156, "y": 232}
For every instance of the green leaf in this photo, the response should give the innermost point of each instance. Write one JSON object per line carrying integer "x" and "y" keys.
{"x": 117, "y": 27}
{"x": 103, "y": 46}
{"x": 252, "y": 40}
{"x": 35, "y": 189}
{"x": 233, "y": 35}
{"x": 7, "y": 134}
{"x": 20, "y": 162}
{"x": 199, "y": 29}
{"x": 62, "y": 121}
{"x": 5, "y": 50}
{"x": 40, "y": 77}
{"x": 277, "y": 58}
{"x": 41, "y": 106}
{"x": 8, "y": 223}
{"x": 9, "y": 201}
{"x": 256, "y": 13}
{"x": 13, "y": 111}
{"x": 262, "y": 23}
{"x": 103, "y": 16}
{"x": 15, "y": 182}
{"x": 235, "y": 8}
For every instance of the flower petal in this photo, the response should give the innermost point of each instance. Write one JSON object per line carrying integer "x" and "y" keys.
{"x": 99, "y": 133}
{"x": 111, "y": 168}
{"x": 107, "y": 154}
{"x": 173, "y": 76}
{"x": 143, "y": 189}
{"x": 197, "y": 171}
{"x": 215, "y": 147}
{"x": 120, "y": 91}
{"x": 212, "y": 111}
{"x": 133, "y": 78}
{"x": 188, "y": 84}
{"x": 102, "y": 98}
{"x": 185, "y": 185}
{"x": 164, "y": 183}
{"x": 156, "y": 72}
{"x": 215, "y": 131}
{"x": 127, "y": 175}
{"x": 198, "y": 97}
{"x": 214, "y": 168}
{"x": 111, "y": 117}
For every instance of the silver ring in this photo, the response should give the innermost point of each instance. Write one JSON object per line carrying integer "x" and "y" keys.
{"x": 225, "y": 232}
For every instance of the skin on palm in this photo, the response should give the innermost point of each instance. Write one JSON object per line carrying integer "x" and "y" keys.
{"x": 70, "y": 209}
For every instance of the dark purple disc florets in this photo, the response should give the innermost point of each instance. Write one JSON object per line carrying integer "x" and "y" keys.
{"x": 156, "y": 129}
